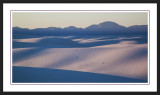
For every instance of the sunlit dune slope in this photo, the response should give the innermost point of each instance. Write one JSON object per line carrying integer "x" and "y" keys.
{"x": 126, "y": 58}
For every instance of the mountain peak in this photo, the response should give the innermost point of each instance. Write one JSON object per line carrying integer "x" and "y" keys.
{"x": 108, "y": 24}
{"x": 70, "y": 27}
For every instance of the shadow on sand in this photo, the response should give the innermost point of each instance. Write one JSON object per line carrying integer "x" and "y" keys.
{"x": 45, "y": 75}
{"x": 60, "y": 42}
{"x": 69, "y": 43}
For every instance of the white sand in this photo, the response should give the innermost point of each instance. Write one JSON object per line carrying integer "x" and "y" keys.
{"x": 120, "y": 59}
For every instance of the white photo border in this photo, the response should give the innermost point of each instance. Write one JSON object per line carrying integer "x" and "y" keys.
{"x": 150, "y": 86}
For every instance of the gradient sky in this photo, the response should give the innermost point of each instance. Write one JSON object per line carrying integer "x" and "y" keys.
{"x": 33, "y": 20}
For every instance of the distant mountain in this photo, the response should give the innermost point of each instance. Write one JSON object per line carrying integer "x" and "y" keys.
{"x": 100, "y": 29}
{"x": 138, "y": 29}
{"x": 106, "y": 26}
{"x": 72, "y": 28}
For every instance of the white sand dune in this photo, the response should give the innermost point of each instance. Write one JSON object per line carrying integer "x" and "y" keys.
{"x": 99, "y": 39}
{"x": 126, "y": 59}
{"x": 33, "y": 40}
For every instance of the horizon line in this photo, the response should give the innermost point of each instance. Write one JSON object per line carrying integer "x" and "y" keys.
{"x": 77, "y": 27}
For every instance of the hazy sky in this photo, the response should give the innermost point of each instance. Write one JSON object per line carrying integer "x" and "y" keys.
{"x": 79, "y": 19}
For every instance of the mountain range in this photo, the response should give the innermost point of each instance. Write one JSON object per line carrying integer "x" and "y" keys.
{"x": 105, "y": 28}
